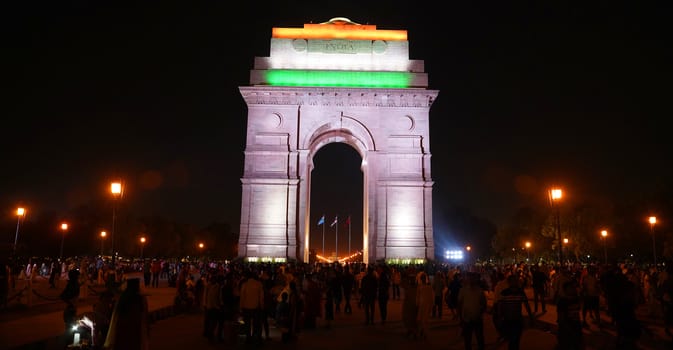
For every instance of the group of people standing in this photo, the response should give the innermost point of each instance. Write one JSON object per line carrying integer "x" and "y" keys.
{"x": 292, "y": 297}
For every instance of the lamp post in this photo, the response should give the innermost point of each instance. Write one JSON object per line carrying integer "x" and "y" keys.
{"x": 102, "y": 240}
{"x": 555, "y": 195}
{"x": 653, "y": 220}
{"x": 64, "y": 228}
{"x": 20, "y": 213}
{"x": 468, "y": 249}
{"x": 142, "y": 244}
{"x": 565, "y": 243}
{"x": 201, "y": 246}
{"x": 116, "y": 190}
{"x": 527, "y": 244}
{"x": 604, "y": 236}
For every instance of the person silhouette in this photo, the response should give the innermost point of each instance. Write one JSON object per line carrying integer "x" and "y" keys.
{"x": 69, "y": 296}
{"x": 129, "y": 326}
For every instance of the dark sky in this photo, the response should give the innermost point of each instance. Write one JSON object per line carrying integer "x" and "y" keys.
{"x": 531, "y": 94}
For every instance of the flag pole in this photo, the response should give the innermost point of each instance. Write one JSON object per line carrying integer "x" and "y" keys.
{"x": 323, "y": 239}
{"x": 349, "y": 235}
{"x": 336, "y": 244}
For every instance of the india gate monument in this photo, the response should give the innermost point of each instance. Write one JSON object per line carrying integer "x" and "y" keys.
{"x": 337, "y": 81}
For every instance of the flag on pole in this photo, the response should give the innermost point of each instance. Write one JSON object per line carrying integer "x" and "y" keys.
{"x": 348, "y": 221}
{"x": 335, "y": 221}
{"x": 322, "y": 220}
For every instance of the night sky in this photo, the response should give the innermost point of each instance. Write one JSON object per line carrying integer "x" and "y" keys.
{"x": 531, "y": 94}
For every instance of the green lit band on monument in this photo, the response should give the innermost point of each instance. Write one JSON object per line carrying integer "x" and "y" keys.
{"x": 287, "y": 77}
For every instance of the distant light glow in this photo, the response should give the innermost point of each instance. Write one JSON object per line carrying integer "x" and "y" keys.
{"x": 397, "y": 261}
{"x": 266, "y": 259}
{"x": 454, "y": 255}
{"x": 284, "y": 77}
{"x": 653, "y": 220}
{"x": 556, "y": 193}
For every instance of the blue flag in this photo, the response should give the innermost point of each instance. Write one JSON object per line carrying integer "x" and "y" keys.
{"x": 321, "y": 221}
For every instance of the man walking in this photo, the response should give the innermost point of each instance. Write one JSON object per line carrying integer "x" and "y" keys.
{"x": 156, "y": 271}
{"x": 251, "y": 303}
{"x": 471, "y": 308}
{"x": 540, "y": 281}
{"x": 368, "y": 289}
{"x": 509, "y": 303}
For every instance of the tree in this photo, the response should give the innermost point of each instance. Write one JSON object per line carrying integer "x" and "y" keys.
{"x": 526, "y": 224}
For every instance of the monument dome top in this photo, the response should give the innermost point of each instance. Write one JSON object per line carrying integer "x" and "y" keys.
{"x": 340, "y": 21}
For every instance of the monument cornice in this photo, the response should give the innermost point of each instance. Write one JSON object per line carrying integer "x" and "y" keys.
{"x": 331, "y": 96}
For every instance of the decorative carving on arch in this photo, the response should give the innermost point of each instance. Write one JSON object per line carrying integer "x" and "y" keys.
{"x": 345, "y": 129}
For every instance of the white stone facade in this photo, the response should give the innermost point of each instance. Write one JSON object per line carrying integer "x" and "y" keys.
{"x": 287, "y": 125}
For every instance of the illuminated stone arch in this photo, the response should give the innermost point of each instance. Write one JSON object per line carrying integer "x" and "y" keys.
{"x": 348, "y": 131}
{"x": 296, "y": 106}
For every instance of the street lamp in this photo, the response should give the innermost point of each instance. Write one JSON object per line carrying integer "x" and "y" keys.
{"x": 604, "y": 235}
{"x": 565, "y": 243}
{"x": 527, "y": 244}
{"x": 555, "y": 195}
{"x": 64, "y": 227}
{"x": 116, "y": 190}
{"x": 20, "y": 213}
{"x": 102, "y": 240}
{"x": 142, "y": 244}
{"x": 468, "y": 249}
{"x": 653, "y": 220}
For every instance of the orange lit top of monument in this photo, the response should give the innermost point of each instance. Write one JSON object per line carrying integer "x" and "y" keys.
{"x": 339, "y": 28}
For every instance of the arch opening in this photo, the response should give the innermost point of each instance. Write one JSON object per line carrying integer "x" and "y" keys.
{"x": 337, "y": 192}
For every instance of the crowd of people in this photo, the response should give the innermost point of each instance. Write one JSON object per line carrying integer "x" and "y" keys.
{"x": 249, "y": 298}
{"x": 293, "y": 296}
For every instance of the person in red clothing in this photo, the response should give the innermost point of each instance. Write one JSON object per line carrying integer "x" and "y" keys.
{"x": 156, "y": 271}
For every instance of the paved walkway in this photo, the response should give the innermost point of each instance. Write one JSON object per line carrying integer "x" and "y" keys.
{"x": 37, "y": 321}
{"x": 346, "y": 331}
{"x": 41, "y": 327}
